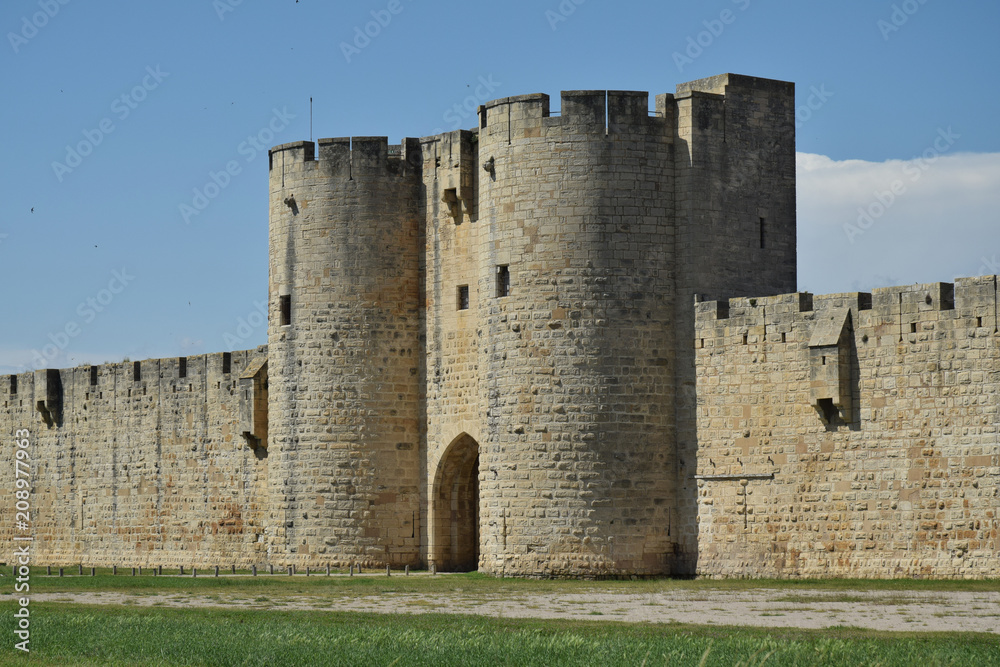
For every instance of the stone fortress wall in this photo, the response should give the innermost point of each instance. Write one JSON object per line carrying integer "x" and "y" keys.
{"x": 850, "y": 435}
{"x": 482, "y": 353}
{"x": 137, "y": 464}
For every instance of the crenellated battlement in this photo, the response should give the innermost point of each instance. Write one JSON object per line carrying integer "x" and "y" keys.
{"x": 698, "y": 104}
{"x": 347, "y": 157}
{"x": 965, "y": 298}
{"x": 624, "y": 111}
{"x": 911, "y": 313}
{"x": 587, "y": 111}
{"x": 597, "y": 111}
{"x": 43, "y": 390}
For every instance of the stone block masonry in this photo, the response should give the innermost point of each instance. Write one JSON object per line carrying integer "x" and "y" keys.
{"x": 545, "y": 346}
{"x": 345, "y": 352}
{"x": 138, "y": 463}
{"x": 850, "y": 435}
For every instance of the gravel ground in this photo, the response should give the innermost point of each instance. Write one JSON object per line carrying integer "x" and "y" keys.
{"x": 912, "y": 611}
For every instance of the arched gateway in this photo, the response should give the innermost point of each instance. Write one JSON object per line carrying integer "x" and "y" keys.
{"x": 455, "y": 508}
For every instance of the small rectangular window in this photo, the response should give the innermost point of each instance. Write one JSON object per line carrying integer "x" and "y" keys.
{"x": 463, "y": 297}
{"x": 136, "y": 371}
{"x": 913, "y": 327}
{"x": 93, "y": 375}
{"x": 286, "y": 309}
{"x": 979, "y": 321}
{"x": 227, "y": 363}
{"x": 182, "y": 367}
{"x": 503, "y": 280}
{"x": 13, "y": 384}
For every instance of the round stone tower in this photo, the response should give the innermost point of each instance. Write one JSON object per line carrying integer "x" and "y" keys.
{"x": 481, "y": 344}
{"x": 344, "y": 353}
{"x": 576, "y": 304}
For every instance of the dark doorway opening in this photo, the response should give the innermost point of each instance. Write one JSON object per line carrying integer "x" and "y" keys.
{"x": 456, "y": 508}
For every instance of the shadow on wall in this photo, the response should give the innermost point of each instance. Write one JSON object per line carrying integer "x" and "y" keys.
{"x": 48, "y": 396}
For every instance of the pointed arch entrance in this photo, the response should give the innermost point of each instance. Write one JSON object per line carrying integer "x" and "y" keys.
{"x": 455, "y": 508}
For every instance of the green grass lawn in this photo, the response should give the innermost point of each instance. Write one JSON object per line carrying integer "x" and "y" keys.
{"x": 71, "y": 634}
{"x": 63, "y": 634}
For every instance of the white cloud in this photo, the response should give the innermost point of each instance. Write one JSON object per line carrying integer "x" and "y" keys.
{"x": 874, "y": 224}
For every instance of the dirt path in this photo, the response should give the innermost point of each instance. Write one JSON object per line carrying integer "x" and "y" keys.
{"x": 913, "y": 611}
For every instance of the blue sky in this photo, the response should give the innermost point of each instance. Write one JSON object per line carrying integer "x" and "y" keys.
{"x": 897, "y": 108}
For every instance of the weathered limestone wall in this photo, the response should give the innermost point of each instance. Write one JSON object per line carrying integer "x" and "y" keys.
{"x": 577, "y": 361}
{"x": 455, "y": 404}
{"x": 735, "y": 187}
{"x": 850, "y": 435}
{"x": 138, "y": 464}
{"x": 346, "y": 372}
{"x": 553, "y": 412}
{"x": 452, "y": 260}
{"x": 548, "y": 430}
{"x": 735, "y": 226}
